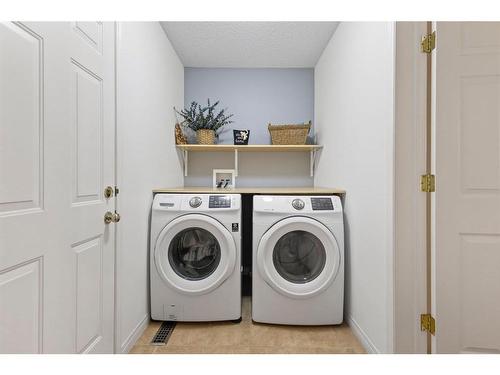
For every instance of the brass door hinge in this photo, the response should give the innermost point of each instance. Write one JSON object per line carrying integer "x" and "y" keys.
{"x": 427, "y": 323}
{"x": 428, "y": 183}
{"x": 428, "y": 42}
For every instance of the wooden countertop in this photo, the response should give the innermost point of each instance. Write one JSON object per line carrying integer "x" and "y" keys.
{"x": 254, "y": 190}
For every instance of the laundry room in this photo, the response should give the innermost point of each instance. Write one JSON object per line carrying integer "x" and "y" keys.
{"x": 295, "y": 91}
{"x": 248, "y": 185}
{"x": 244, "y": 185}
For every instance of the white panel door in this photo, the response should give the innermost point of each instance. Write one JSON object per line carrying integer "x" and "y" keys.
{"x": 57, "y": 137}
{"x": 92, "y": 105}
{"x": 467, "y": 199}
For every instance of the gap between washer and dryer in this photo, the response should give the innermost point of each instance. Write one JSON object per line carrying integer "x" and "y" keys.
{"x": 248, "y": 337}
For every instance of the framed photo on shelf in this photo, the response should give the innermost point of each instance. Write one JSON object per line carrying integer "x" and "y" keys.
{"x": 224, "y": 179}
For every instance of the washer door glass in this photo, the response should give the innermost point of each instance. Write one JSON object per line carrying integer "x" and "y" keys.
{"x": 194, "y": 253}
{"x": 299, "y": 256}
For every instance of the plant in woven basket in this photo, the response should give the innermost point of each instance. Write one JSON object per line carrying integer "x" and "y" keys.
{"x": 205, "y": 121}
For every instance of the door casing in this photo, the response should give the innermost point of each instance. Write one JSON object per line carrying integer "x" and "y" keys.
{"x": 410, "y": 286}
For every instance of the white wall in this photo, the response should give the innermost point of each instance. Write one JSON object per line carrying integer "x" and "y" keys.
{"x": 354, "y": 112}
{"x": 150, "y": 81}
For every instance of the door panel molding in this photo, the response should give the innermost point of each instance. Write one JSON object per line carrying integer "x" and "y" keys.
{"x": 91, "y": 33}
{"x": 22, "y": 182}
{"x": 478, "y": 38}
{"x": 479, "y": 147}
{"x": 89, "y": 293}
{"x": 87, "y": 89}
{"x": 21, "y": 308}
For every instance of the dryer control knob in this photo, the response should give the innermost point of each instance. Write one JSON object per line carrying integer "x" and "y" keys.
{"x": 195, "y": 202}
{"x": 298, "y": 204}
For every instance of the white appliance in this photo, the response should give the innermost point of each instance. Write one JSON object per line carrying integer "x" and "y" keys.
{"x": 298, "y": 260}
{"x": 195, "y": 257}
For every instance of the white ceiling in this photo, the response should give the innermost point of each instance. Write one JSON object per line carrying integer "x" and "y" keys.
{"x": 249, "y": 44}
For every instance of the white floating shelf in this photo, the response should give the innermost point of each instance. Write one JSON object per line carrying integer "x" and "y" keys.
{"x": 250, "y": 148}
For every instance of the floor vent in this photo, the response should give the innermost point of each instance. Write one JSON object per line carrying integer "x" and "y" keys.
{"x": 164, "y": 332}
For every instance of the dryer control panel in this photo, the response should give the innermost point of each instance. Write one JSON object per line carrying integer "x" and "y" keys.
{"x": 299, "y": 205}
{"x": 196, "y": 202}
{"x": 322, "y": 204}
{"x": 219, "y": 201}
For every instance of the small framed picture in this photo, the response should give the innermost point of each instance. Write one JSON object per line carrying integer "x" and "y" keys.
{"x": 241, "y": 136}
{"x": 224, "y": 179}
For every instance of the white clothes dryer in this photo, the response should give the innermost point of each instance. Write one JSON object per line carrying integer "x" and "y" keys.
{"x": 195, "y": 257}
{"x": 298, "y": 260}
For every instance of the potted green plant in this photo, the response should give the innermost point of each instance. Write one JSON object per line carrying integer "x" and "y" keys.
{"x": 205, "y": 121}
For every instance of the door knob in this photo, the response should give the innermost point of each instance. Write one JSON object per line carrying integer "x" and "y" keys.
{"x": 108, "y": 192}
{"x": 110, "y": 217}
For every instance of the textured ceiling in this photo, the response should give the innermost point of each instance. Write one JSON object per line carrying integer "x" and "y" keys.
{"x": 249, "y": 44}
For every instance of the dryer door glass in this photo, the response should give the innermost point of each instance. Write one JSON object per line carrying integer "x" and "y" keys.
{"x": 194, "y": 253}
{"x": 299, "y": 257}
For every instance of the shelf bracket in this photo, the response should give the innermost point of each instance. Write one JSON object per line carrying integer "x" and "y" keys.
{"x": 311, "y": 162}
{"x": 235, "y": 162}
{"x": 185, "y": 161}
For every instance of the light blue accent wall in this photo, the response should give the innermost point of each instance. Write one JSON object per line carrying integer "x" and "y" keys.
{"x": 256, "y": 97}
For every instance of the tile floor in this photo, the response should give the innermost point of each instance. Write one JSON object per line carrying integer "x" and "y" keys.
{"x": 249, "y": 338}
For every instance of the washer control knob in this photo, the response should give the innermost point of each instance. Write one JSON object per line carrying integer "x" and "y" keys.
{"x": 195, "y": 202}
{"x": 298, "y": 204}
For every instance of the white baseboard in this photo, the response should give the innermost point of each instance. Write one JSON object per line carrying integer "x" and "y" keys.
{"x": 362, "y": 336}
{"x": 135, "y": 335}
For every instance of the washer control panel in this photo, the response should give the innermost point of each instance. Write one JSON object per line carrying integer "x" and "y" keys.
{"x": 219, "y": 201}
{"x": 195, "y": 202}
{"x": 322, "y": 204}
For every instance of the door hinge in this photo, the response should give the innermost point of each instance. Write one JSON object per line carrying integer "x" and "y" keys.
{"x": 427, "y": 323}
{"x": 428, "y": 42}
{"x": 428, "y": 183}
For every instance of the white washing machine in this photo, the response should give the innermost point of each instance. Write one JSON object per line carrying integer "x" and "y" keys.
{"x": 195, "y": 257}
{"x": 298, "y": 260}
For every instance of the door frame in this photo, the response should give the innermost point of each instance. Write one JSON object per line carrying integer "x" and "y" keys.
{"x": 411, "y": 225}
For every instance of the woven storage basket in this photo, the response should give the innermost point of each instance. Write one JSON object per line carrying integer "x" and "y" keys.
{"x": 289, "y": 134}
{"x": 205, "y": 137}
